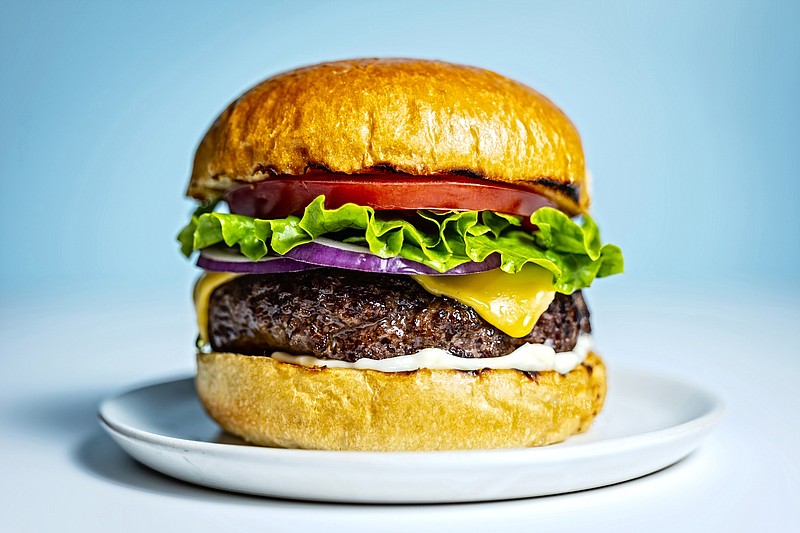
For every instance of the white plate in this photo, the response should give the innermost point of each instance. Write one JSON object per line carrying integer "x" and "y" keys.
{"x": 649, "y": 423}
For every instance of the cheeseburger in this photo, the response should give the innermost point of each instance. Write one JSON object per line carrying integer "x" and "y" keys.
{"x": 394, "y": 256}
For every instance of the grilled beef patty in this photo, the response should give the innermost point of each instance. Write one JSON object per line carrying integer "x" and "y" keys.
{"x": 347, "y": 315}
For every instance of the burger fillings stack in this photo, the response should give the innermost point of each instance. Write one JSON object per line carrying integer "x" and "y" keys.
{"x": 402, "y": 263}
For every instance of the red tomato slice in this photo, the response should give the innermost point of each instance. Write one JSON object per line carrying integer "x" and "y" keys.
{"x": 282, "y": 196}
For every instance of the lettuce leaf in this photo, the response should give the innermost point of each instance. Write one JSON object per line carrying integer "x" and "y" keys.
{"x": 571, "y": 251}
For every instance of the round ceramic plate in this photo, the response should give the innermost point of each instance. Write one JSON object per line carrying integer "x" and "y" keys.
{"x": 649, "y": 422}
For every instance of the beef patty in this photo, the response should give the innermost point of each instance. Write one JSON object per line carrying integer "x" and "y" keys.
{"x": 347, "y": 315}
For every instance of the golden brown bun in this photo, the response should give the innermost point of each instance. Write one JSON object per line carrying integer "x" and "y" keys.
{"x": 416, "y": 117}
{"x": 279, "y": 404}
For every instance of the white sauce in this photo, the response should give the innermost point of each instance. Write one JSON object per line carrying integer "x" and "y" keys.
{"x": 528, "y": 357}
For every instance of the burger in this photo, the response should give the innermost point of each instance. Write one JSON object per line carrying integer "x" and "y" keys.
{"x": 394, "y": 253}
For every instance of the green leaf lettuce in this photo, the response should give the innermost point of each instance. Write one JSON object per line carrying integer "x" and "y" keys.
{"x": 571, "y": 251}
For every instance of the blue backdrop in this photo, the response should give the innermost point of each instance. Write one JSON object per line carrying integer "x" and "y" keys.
{"x": 688, "y": 111}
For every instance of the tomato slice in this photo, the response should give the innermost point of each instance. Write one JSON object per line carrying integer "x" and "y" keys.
{"x": 289, "y": 195}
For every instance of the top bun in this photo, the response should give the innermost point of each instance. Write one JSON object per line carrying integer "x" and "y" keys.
{"x": 406, "y": 115}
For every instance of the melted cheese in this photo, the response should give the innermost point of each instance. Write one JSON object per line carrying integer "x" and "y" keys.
{"x": 528, "y": 357}
{"x": 205, "y": 285}
{"x": 510, "y": 302}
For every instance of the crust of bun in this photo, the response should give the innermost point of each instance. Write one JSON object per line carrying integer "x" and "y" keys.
{"x": 283, "y": 405}
{"x": 417, "y": 117}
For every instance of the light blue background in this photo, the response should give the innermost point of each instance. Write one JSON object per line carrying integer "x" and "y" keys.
{"x": 688, "y": 111}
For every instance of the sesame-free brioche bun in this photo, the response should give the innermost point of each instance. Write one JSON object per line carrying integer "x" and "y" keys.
{"x": 278, "y": 404}
{"x": 412, "y": 116}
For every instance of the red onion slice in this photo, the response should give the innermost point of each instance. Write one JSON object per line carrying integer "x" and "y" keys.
{"x": 326, "y": 252}
{"x": 224, "y": 260}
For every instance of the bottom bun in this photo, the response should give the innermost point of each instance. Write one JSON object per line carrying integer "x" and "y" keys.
{"x": 279, "y": 404}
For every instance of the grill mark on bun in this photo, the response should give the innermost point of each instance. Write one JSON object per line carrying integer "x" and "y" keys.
{"x": 570, "y": 190}
{"x": 532, "y": 375}
{"x": 266, "y": 170}
{"x": 467, "y": 173}
{"x": 384, "y": 168}
{"x": 315, "y": 166}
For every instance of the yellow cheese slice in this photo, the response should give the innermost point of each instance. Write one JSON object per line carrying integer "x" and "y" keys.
{"x": 205, "y": 285}
{"x": 510, "y": 302}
